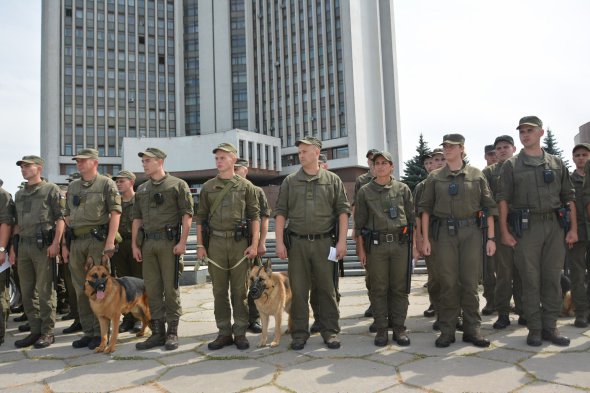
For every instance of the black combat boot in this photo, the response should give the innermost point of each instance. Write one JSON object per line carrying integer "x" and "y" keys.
{"x": 381, "y": 337}
{"x": 158, "y": 337}
{"x": 127, "y": 323}
{"x": 172, "y": 336}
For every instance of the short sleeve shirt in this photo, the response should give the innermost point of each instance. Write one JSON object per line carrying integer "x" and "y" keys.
{"x": 162, "y": 202}
{"x": 312, "y": 203}
{"x": 6, "y": 207}
{"x": 89, "y": 203}
{"x": 38, "y": 207}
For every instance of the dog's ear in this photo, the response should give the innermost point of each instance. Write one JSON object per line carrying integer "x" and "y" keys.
{"x": 89, "y": 263}
{"x": 268, "y": 265}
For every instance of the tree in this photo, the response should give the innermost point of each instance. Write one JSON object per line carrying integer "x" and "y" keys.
{"x": 414, "y": 171}
{"x": 550, "y": 146}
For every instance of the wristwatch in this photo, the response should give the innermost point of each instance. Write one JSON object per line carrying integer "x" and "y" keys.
{"x": 492, "y": 239}
{"x": 2, "y": 249}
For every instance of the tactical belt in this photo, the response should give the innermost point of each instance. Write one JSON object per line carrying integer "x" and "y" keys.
{"x": 464, "y": 223}
{"x": 27, "y": 240}
{"x": 312, "y": 237}
{"x": 224, "y": 234}
{"x": 156, "y": 235}
{"x": 547, "y": 216}
{"x": 84, "y": 236}
{"x": 389, "y": 237}
{"x": 81, "y": 231}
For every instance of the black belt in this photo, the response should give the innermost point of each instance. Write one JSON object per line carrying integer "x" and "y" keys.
{"x": 84, "y": 236}
{"x": 312, "y": 237}
{"x": 464, "y": 223}
{"x": 388, "y": 237}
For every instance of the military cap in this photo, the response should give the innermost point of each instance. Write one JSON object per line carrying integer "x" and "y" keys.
{"x": 453, "y": 139}
{"x": 436, "y": 151}
{"x": 583, "y": 145}
{"x": 86, "y": 153}
{"x": 323, "y": 158}
{"x": 530, "y": 121}
{"x": 504, "y": 138}
{"x": 153, "y": 152}
{"x": 228, "y": 147}
{"x": 310, "y": 140}
{"x": 242, "y": 162}
{"x": 371, "y": 152}
{"x": 31, "y": 160}
{"x": 383, "y": 154}
{"x": 489, "y": 149}
{"x": 125, "y": 175}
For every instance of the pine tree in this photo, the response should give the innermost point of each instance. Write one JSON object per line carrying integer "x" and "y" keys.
{"x": 414, "y": 171}
{"x": 550, "y": 146}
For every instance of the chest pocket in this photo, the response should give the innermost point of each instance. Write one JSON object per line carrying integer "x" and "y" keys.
{"x": 94, "y": 204}
{"x": 237, "y": 203}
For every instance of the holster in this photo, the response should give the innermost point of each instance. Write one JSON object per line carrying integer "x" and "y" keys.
{"x": 515, "y": 223}
{"x": 15, "y": 240}
{"x": 563, "y": 218}
{"x": 48, "y": 236}
{"x": 434, "y": 227}
{"x": 287, "y": 238}
{"x": 205, "y": 234}
{"x": 69, "y": 235}
{"x": 367, "y": 239}
{"x": 100, "y": 233}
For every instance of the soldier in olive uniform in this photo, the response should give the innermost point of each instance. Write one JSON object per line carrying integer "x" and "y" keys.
{"x": 534, "y": 185}
{"x": 507, "y": 283}
{"x": 383, "y": 210}
{"x": 489, "y": 277}
{"x": 123, "y": 262}
{"x": 241, "y": 169}
{"x": 40, "y": 226}
{"x": 93, "y": 209}
{"x": 579, "y": 255}
{"x": 360, "y": 181}
{"x": 162, "y": 218}
{"x": 452, "y": 200}
{"x": 434, "y": 160}
{"x": 6, "y": 222}
{"x": 226, "y": 203}
{"x": 314, "y": 201}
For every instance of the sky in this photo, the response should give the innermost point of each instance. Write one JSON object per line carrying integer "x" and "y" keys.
{"x": 473, "y": 67}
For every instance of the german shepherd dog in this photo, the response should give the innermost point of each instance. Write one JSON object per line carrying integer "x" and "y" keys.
{"x": 272, "y": 295}
{"x": 110, "y": 297}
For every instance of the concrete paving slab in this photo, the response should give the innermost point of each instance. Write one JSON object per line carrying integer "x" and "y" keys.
{"x": 110, "y": 375}
{"x": 401, "y": 388}
{"x": 268, "y": 389}
{"x": 346, "y": 375}
{"x": 573, "y": 369}
{"x": 285, "y": 358}
{"x": 392, "y": 356}
{"x": 29, "y": 371}
{"x": 546, "y": 387}
{"x": 27, "y": 388}
{"x": 222, "y": 376}
{"x": 503, "y": 355}
{"x": 463, "y": 373}
{"x": 147, "y": 388}
{"x": 182, "y": 359}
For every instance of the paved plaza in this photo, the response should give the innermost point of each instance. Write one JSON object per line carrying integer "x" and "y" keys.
{"x": 509, "y": 365}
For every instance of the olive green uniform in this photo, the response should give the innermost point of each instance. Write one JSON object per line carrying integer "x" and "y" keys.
{"x": 360, "y": 181}
{"x": 458, "y": 255}
{"x": 95, "y": 200}
{"x": 253, "y": 315}
{"x": 6, "y": 217}
{"x": 161, "y": 204}
{"x": 38, "y": 208}
{"x": 386, "y": 209}
{"x": 540, "y": 251}
{"x": 489, "y": 276}
{"x": 312, "y": 204}
{"x": 226, "y": 248}
{"x": 580, "y": 253}
{"x": 507, "y": 280}
{"x": 123, "y": 261}
{"x": 432, "y": 284}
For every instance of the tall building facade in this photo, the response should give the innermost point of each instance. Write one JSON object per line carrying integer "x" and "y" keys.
{"x": 143, "y": 69}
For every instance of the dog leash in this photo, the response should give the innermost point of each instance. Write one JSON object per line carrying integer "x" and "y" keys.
{"x": 211, "y": 261}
